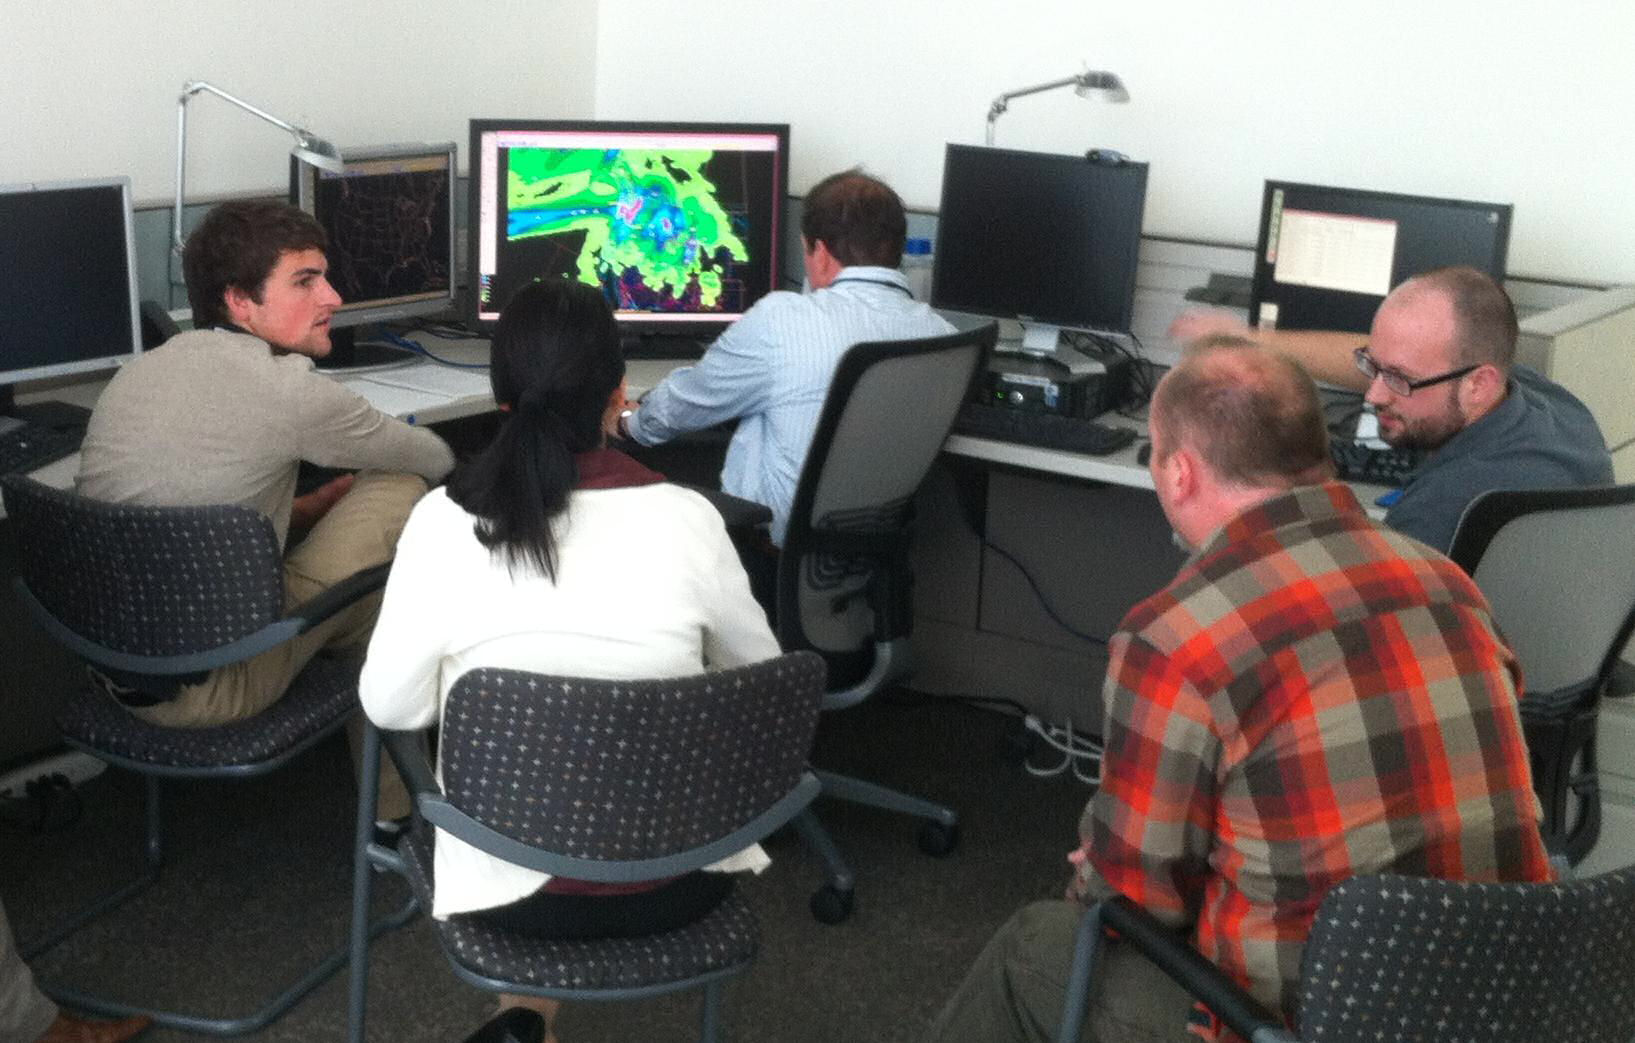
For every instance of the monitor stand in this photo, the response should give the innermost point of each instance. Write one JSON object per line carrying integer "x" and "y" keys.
{"x": 1043, "y": 341}
{"x": 349, "y": 354}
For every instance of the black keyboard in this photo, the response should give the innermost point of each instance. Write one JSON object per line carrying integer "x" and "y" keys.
{"x": 1046, "y": 430}
{"x": 27, "y": 447}
{"x": 661, "y": 346}
{"x": 1357, "y": 462}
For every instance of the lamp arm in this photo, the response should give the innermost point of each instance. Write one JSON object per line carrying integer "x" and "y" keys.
{"x": 190, "y": 88}
{"x": 1002, "y": 103}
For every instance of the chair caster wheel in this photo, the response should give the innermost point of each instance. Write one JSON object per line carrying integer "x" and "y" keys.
{"x": 938, "y": 840}
{"x": 830, "y": 905}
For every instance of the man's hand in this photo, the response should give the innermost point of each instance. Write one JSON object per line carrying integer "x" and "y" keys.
{"x": 306, "y": 510}
{"x": 1198, "y": 323}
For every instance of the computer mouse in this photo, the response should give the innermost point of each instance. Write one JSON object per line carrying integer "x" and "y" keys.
{"x": 1143, "y": 454}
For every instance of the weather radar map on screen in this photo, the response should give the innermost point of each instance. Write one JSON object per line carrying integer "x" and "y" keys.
{"x": 675, "y": 225}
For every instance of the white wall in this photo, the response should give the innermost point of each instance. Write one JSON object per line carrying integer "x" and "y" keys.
{"x": 1531, "y": 103}
{"x": 88, "y": 87}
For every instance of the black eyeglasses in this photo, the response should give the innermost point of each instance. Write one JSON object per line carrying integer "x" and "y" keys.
{"x": 1398, "y": 381}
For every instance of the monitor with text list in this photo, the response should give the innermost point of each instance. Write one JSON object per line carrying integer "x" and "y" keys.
{"x": 679, "y": 224}
{"x": 1326, "y": 257}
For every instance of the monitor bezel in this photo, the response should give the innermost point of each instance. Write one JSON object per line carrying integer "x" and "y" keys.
{"x": 303, "y": 179}
{"x": 1261, "y": 280}
{"x": 701, "y": 325}
{"x": 1131, "y": 262}
{"x": 11, "y": 377}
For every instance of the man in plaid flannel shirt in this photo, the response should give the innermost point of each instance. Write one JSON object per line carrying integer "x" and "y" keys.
{"x": 1314, "y": 696}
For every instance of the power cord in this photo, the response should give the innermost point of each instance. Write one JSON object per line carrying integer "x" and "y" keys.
{"x": 1081, "y": 754}
{"x": 420, "y": 349}
{"x": 1039, "y": 594}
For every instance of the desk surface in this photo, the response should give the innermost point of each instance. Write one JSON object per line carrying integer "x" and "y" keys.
{"x": 425, "y": 392}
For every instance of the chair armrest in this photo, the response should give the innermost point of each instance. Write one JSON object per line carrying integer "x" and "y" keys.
{"x": 1171, "y": 954}
{"x": 437, "y": 811}
{"x": 408, "y": 752}
{"x": 331, "y": 600}
{"x": 736, "y": 512}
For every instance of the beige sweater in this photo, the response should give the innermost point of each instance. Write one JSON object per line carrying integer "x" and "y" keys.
{"x": 216, "y": 417}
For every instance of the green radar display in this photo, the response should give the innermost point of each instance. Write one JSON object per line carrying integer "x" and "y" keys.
{"x": 654, "y": 228}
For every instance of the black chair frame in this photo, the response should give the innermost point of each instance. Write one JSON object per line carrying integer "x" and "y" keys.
{"x": 878, "y": 540}
{"x": 432, "y": 808}
{"x": 1560, "y": 726}
{"x": 159, "y": 677}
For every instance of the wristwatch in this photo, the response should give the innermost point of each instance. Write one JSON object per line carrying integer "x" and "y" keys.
{"x": 624, "y": 424}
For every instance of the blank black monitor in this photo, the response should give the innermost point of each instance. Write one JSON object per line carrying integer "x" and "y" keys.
{"x": 1049, "y": 239}
{"x": 679, "y": 224}
{"x": 68, "y": 296}
{"x": 1326, "y": 257}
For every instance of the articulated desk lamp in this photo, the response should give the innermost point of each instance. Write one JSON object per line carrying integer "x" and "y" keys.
{"x": 1088, "y": 84}
{"x": 308, "y": 147}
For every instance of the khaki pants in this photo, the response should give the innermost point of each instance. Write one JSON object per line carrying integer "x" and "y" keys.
{"x": 1015, "y": 990}
{"x": 359, "y": 531}
{"x": 25, "y": 1013}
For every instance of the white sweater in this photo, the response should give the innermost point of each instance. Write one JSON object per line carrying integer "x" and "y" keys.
{"x": 647, "y": 585}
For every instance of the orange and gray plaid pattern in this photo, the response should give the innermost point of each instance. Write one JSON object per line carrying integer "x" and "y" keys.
{"x": 1312, "y": 697}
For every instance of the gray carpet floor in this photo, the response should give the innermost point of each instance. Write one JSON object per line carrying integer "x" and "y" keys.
{"x": 257, "y": 880}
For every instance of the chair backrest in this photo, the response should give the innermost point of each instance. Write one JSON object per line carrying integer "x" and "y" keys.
{"x": 146, "y": 581}
{"x": 627, "y": 770}
{"x": 889, "y": 410}
{"x": 1558, "y": 567}
{"x": 1393, "y": 957}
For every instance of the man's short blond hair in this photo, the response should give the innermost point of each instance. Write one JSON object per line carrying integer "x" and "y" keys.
{"x": 1252, "y": 415}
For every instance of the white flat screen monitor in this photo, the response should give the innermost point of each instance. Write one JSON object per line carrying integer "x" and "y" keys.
{"x": 679, "y": 224}
{"x": 68, "y": 295}
{"x": 1326, "y": 257}
{"x": 389, "y": 218}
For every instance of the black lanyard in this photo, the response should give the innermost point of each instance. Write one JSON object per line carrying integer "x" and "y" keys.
{"x": 876, "y": 282}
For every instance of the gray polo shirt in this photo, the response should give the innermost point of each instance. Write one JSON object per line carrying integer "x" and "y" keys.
{"x": 1539, "y": 437}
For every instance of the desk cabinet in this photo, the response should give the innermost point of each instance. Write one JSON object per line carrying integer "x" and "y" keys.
{"x": 1094, "y": 550}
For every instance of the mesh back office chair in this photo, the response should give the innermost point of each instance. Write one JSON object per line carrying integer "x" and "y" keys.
{"x": 1558, "y": 567}
{"x": 693, "y": 769}
{"x": 1395, "y": 957}
{"x": 155, "y": 597}
{"x": 844, "y": 588}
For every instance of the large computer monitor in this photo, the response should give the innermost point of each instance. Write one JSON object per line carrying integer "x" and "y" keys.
{"x": 389, "y": 216}
{"x": 1326, "y": 257}
{"x": 68, "y": 296}
{"x": 678, "y": 223}
{"x": 1048, "y": 239}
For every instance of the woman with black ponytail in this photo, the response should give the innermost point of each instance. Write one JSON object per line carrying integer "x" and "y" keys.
{"x": 553, "y": 553}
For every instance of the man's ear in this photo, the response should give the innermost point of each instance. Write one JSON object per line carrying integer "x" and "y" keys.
{"x": 238, "y": 304}
{"x": 1484, "y": 386}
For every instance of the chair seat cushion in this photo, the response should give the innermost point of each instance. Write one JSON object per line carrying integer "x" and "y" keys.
{"x": 724, "y": 940}
{"x": 319, "y": 699}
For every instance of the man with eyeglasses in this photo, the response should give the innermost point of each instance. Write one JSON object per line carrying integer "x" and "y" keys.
{"x": 1439, "y": 371}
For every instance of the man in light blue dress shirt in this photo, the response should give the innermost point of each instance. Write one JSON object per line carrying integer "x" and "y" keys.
{"x": 771, "y": 369}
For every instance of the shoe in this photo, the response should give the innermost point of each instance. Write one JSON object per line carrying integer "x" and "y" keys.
{"x": 69, "y": 1029}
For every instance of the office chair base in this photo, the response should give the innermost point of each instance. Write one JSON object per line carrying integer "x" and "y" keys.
{"x": 938, "y": 839}
{"x": 830, "y": 905}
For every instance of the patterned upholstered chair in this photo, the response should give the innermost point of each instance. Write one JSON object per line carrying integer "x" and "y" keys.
{"x": 1557, "y": 567}
{"x": 699, "y": 767}
{"x": 154, "y": 598}
{"x": 1395, "y": 957}
{"x": 844, "y": 584}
